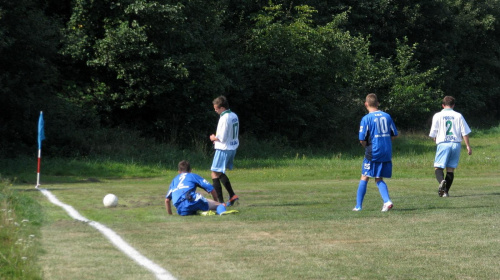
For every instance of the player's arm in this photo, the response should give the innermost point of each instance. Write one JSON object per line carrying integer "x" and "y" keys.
{"x": 204, "y": 184}
{"x": 363, "y": 143}
{"x": 213, "y": 138}
{"x": 168, "y": 206}
{"x": 469, "y": 149}
{"x": 222, "y": 133}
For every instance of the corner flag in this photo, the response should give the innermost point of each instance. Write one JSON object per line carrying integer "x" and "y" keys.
{"x": 41, "y": 137}
{"x": 41, "y": 133}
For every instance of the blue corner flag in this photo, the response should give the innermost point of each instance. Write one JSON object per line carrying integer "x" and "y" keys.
{"x": 41, "y": 133}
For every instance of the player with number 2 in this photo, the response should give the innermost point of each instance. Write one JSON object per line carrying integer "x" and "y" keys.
{"x": 448, "y": 129}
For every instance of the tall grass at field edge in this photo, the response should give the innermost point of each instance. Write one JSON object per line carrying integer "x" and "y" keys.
{"x": 20, "y": 221}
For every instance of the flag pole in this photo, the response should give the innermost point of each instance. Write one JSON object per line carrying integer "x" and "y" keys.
{"x": 38, "y": 169}
{"x": 41, "y": 137}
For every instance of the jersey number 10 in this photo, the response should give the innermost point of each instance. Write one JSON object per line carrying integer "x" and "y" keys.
{"x": 235, "y": 130}
{"x": 381, "y": 125}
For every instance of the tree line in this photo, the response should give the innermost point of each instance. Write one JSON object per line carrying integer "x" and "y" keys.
{"x": 294, "y": 71}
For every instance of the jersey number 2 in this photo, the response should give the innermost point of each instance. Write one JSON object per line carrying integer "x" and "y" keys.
{"x": 449, "y": 125}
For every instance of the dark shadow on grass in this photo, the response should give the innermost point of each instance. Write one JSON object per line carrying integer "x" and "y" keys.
{"x": 288, "y": 204}
{"x": 479, "y": 194}
{"x": 436, "y": 208}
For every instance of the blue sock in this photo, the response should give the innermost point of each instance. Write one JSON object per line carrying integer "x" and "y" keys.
{"x": 361, "y": 193}
{"x": 384, "y": 192}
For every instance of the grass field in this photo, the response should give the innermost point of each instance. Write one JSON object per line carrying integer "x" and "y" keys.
{"x": 295, "y": 221}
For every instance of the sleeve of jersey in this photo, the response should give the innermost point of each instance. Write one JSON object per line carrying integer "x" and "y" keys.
{"x": 204, "y": 184}
{"x": 434, "y": 127}
{"x": 169, "y": 193}
{"x": 394, "y": 130}
{"x": 362, "y": 130}
{"x": 465, "y": 127}
{"x": 222, "y": 130}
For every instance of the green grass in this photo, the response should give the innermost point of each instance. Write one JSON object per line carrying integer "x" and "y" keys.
{"x": 20, "y": 221}
{"x": 295, "y": 219}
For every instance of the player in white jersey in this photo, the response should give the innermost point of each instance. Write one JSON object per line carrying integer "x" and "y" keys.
{"x": 225, "y": 143}
{"x": 448, "y": 129}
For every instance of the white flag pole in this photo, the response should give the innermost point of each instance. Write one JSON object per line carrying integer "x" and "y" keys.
{"x": 38, "y": 169}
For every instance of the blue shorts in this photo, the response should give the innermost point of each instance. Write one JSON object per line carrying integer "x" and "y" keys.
{"x": 376, "y": 169}
{"x": 223, "y": 159}
{"x": 191, "y": 207}
{"x": 447, "y": 155}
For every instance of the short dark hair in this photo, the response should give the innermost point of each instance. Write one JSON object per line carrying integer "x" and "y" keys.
{"x": 221, "y": 101}
{"x": 448, "y": 101}
{"x": 372, "y": 100}
{"x": 184, "y": 166}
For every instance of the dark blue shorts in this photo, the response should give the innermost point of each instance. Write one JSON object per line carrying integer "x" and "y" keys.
{"x": 376, "y": 169}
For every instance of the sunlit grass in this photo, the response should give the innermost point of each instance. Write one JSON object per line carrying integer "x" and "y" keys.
{"x": 295, "y": 217}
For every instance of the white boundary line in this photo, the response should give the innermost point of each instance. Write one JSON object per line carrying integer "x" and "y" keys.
{"x": 119, "y": 243}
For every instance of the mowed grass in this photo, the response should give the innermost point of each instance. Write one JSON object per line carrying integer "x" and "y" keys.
{"x": 295, "y": 222}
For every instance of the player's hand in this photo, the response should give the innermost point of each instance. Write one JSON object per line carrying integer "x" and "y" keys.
{"x": 469, "y": 151}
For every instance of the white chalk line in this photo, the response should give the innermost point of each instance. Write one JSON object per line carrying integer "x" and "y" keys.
{"x": 119, "y": 243}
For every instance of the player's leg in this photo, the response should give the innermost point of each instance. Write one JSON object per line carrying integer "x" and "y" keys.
{"x": 439, "y": 172}
{"x": 383, "y": 189}
{"x": 218, "y": 168}
{"x": 227, "y": 184}
{"x": 212, "y": 204}
{"x": 451, "y": 165}
{"x": 450, "y": 175}
{"x": 363, "y": 183}
{"x": 383, "y": 170}
{"x": 228, "y": 164}
{"x": 443, "y": 153}
{"x": 217, "y": 186}
{"x": 366, "y": 173}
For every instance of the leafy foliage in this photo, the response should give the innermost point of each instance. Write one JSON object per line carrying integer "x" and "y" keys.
{"x": 294, "y": 73}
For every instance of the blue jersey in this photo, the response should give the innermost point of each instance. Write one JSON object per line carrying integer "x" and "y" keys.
{"x": 183, "y": 188}
{"x": 376, "y": 129}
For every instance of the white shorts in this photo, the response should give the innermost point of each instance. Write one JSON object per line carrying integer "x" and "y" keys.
{"x": 447, "y": 155}
{"x": 223, "y": 159}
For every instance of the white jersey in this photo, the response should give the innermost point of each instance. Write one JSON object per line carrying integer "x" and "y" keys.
{"x": 227, "y": 131}
{"x": 448, "y": 126}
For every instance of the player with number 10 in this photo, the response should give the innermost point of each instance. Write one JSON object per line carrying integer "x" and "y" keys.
{"x": 376, "y": 132}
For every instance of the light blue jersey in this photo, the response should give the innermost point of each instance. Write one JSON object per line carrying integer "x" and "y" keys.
{"x": 376, "y": 129}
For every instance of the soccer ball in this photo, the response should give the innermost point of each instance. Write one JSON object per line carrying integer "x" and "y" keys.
{"x": 110, "y": 200}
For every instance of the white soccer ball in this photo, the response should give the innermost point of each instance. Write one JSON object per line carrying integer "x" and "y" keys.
{"x": 110, "y": 200}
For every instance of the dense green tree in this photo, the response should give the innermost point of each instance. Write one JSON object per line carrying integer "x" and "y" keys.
{"x": 458, "y": 38}
{"x": 28, "y": 45}
{"x": 150, "y": 64}
{"x": 300, "y": 89}
{"x": 293, "y": 71}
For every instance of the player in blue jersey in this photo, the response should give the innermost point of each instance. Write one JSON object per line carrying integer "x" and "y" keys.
{"x": 182, "y": 192}
{"x": 376, "y": 132}
{"x": 225, "y": 143}
{"x": 448, "y": 129}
